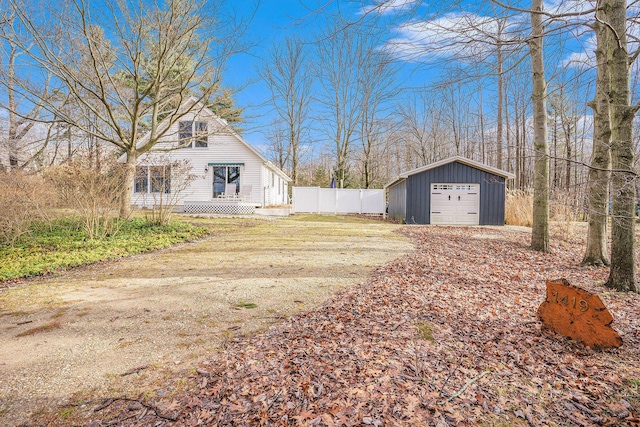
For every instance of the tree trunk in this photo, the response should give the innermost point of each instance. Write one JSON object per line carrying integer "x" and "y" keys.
{"x": 519, "y": 183}
{"x": 500, "y": 101}
{"x": 12, "y": 141}
{"x": 540, "y": 226}
{"x": 598, "y": 185}
{"x": 127, "y": 187}
{"x": 507, "y": 125}
{"x": 622, "y": 275}
{"x": 294, "y": 143}
{"x": 367, "y": 174}
{"x": 567, "y": 137}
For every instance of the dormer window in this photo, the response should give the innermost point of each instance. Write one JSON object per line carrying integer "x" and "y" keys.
{"x": 193, "y": 134}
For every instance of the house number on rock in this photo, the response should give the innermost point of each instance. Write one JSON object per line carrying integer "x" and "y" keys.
{"x": 578, "y": 314}
{"x": 582, "y": 304}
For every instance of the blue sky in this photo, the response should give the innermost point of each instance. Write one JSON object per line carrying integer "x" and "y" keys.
{"x": 275, "y": 19}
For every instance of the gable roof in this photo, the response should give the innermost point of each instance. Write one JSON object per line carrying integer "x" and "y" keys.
{"x": 459, "y": 159}
{"x": 192, "y": 104}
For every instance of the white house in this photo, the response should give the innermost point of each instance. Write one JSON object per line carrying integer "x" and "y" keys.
{"x": 227, "y": 175}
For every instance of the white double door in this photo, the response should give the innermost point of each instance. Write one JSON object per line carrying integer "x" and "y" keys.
{"x": 455, "y": 204}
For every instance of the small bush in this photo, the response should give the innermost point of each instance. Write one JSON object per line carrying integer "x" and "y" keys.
{"x": 93, "y": 195}
{"x": 519, "y": 208}
{"x": 24, "y": 198}
{"x": 164, "y": 203}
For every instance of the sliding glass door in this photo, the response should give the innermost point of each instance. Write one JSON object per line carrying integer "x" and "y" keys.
{"x": 223, "y": 175}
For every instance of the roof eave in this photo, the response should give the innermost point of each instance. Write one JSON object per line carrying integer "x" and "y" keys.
{"x": 463, "y": 160}
{"x": 394, "y": 182}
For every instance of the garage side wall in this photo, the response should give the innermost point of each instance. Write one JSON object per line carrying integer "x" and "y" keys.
{"x": 398, "y": 201}
{"x": 492, "y": 192}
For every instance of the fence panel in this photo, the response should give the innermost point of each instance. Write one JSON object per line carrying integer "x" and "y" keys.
{"x": 305, "y": 199}
{"x": 347, "y": 201}
{"x": 327, "y": 200}
{"x": 373, "y": 202}
{"x": 334, "y": 200}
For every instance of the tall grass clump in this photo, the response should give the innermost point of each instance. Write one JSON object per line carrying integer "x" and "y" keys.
{"x": 519, "y": 207}
{"x": 563, "y": 212}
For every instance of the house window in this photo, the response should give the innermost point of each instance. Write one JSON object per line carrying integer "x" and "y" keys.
{"x": 224, "y": 175}
{"x": 201, "y": 134}
{"x": 193, "y": 134}
{"x": 153, "y": 179}
{"x": 141, "y": 182}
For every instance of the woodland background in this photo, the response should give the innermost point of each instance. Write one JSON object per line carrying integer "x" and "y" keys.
{"x": 358, "y": 91}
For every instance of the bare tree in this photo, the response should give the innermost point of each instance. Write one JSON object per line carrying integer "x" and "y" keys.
{"x": 22, "y": 144}
{"x": 520, "y": 100}
{"x": 500, "y": 75}
{"x": 377, "y": 89}
{"x": 540, "y": 226}
{"x": 287, "y": 75}
{"x": 129, "y": 64}
{"x": 278, "y": 149}
{"x": 341, "y": 52}
{"x": 422, "y": 127}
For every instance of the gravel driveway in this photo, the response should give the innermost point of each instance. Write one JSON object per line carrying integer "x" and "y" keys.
{"x": 120, "y": 328}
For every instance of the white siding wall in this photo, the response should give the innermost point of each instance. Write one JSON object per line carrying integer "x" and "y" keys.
{"x": 275, "y": 188}
{"x": 222, "y": 148}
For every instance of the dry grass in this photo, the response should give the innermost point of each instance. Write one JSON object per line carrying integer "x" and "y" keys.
{"x": 519, "y": 208}
{"x": 42, "y": 328}
{"x": 564, "y": 213}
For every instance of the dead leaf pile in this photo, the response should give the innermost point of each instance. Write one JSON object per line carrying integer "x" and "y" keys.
{"x": 445, "y": 336}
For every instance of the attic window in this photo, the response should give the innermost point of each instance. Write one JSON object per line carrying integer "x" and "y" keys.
{"x": 193, "y": 134}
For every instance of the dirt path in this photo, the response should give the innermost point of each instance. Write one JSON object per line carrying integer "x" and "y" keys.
{"x": 121, "y": 328}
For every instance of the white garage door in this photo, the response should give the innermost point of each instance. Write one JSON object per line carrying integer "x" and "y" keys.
{"x": 455, "y": 204}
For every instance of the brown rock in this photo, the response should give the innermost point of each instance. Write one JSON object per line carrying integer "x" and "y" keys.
{"x": 578, "y": 314}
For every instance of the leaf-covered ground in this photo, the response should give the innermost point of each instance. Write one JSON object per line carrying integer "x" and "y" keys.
{"x": 445, "y": 336}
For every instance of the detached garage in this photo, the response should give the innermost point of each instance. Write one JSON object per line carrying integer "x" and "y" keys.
{"x": 452, "y": 191}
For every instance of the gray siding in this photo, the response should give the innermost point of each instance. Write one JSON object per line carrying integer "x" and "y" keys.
{"x": 492, "y": 192}
{"x": 398, "y": 201}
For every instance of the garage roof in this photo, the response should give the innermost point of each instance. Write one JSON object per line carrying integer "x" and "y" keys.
{"x": 460, "y": 159}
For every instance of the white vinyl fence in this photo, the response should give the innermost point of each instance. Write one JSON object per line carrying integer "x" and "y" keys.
{"x": 338, "y": 200}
